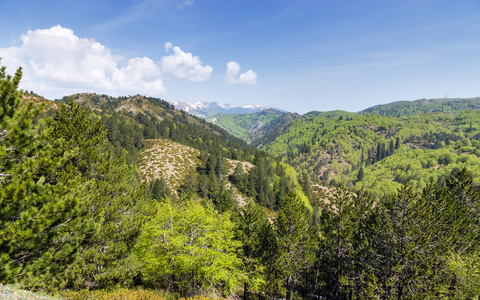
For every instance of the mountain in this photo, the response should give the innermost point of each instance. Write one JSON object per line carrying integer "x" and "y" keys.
{"x": 331, "y": 146}
{"x": 180, "y": 154}
{"x": 208, "y": 109}
{"x": 380, "y": 153}
{"x": 248, "y": 126}
{"x": 422, "y": 106}
{"x": 252, "y": 127}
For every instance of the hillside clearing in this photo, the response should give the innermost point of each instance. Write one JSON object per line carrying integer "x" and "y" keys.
{"x": 171, "y": 161}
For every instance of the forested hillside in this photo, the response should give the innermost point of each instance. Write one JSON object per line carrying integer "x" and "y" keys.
{"x": 241, "y": 125}
{"x": 382, "y": 153}
{"x": 128, "y": 196}
{"x": 422, "y": 106}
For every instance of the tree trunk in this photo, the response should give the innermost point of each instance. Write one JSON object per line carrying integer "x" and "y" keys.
{"x": 289, "y": 288}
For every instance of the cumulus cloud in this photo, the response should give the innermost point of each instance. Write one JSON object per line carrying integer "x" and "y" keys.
{"x": 233, "y": 68}
{"x": 168, "y": 46}
{"x": 56, "y": 62}
{"x": 184, "y": 65}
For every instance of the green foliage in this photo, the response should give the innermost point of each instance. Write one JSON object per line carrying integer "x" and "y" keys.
{"x": 465, "y": 272}
{"x": 158, "y": 189}
{"x": 110, "y": 214}
{"x": 253, "y": 232}
{"x": 190, "y": 249}
{"x": 268, "y": 182}
{"x": 390, "y": 151}
{"x": 16, "y": 141}
{"x": 422, "y": 106}
{"x": 294, "y": 241}
{"x": 70, "y": 214}
{"x": 74, "y": 215}
{"x": 400, "y": 247}
{"x": 331, "y": 114}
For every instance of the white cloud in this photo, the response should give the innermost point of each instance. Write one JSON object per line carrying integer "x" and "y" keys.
{"x": 233, "y": 68}
{"x": 56, "y": 63}
{"x": 168, "y": 46}
{"x": 186, "y": 3}
{"x": 184, "y": 65}
{"x": 248, "y": 77}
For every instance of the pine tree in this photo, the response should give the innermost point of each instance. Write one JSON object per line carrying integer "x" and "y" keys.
{"x": 391, "y": 148}
{"x": 307, "y": 189}
{"x": 361, "y": 174}
{"x": 253, "y": 232}
{"x": 16, "y": 140}
{"x": 293, "y": 240}
{"x": 403, "y": 244}
{"x": 33, "y": 213}
{"x": 337, "y": 233}
{"x": 77, "y": 210}
{"x": 158, "y": 189}
{"x": 111, "y": 214}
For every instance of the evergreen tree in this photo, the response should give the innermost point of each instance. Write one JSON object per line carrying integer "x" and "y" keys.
{"x": 253, "y": 232}
{"x": 336, "y": 244}
{"x": 307, "y": 189}
{"x": 239, "y": 178}
{"x": 158, "y": 189}
{"x": 402, "y": 245}
{"x": 114, "y": 210}
{"x": 361, "y": 174}
{"x": 391, "y": 148}
{"x": 80, "y": 210}
{"x": 293, "y": 241}
{"x": 190, "y": 187}
{"x": 27, "y": 206}
{"x": 16, "y": 140}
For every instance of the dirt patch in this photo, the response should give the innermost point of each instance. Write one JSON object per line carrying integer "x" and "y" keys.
{"x": 128, "y": 107}
{"x": 233, "y": 163}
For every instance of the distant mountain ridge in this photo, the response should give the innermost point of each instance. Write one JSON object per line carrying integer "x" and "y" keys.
{"x": 249, "y": 126}
{"x": 423, "y": 106}
{"x": 207, "y": 109}
{"x": 236, "y": 124}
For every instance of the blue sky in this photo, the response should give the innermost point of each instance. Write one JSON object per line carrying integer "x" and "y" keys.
{"x": 298, "y": 55}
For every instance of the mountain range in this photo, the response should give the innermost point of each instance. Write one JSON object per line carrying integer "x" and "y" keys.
{"x": 390, "y": 144}
{"x": 208, "y": 109}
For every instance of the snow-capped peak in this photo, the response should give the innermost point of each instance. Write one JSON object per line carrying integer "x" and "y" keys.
{"x": 207, "y": 109}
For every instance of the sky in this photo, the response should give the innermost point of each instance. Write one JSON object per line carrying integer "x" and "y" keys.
{"x": 297, "y": 55}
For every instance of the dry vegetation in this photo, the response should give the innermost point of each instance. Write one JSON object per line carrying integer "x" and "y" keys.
{"x": 168, "y": 160}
